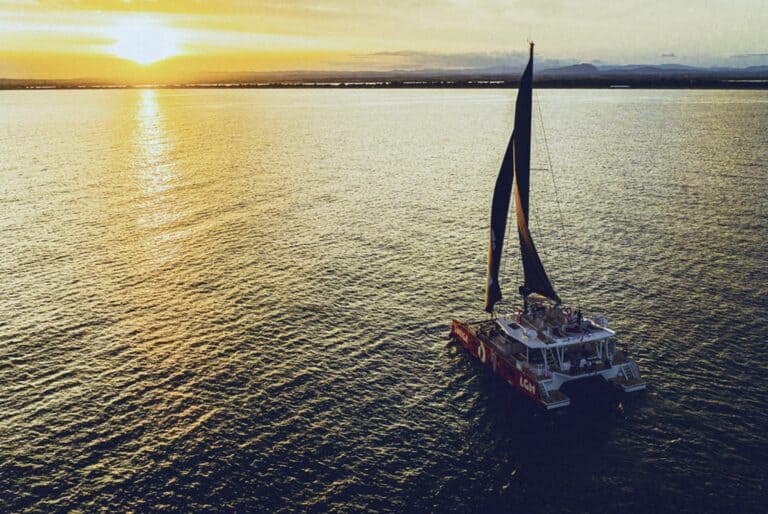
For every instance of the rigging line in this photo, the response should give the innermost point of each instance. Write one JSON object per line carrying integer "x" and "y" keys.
{"x": 535, "y": 224}
{"x": 535, "y": 227}
{"x": 554, "y": 185}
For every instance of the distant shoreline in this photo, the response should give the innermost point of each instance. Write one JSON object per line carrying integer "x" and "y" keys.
{"x": 578, "y": 76}
{"x": 420, "y": 84}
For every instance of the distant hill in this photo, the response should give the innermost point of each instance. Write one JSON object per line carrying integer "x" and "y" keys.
{"x": 575, "y": 70}
{"x": 659, "y": 71}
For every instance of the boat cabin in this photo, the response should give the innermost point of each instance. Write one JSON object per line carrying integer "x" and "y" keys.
{"x": 556, "y": 339}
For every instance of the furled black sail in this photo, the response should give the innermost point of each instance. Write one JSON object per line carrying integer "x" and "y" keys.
{"x": 515, "y": 168}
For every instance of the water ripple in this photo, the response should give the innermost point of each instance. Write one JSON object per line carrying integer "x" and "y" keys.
{"x": 239, "y": 301}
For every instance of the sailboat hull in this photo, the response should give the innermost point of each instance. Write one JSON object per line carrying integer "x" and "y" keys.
{"x": 507, "y": 368}
{"x": 508, "y": 360}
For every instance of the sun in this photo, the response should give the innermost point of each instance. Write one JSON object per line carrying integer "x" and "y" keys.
{"x": 143, "y": 40}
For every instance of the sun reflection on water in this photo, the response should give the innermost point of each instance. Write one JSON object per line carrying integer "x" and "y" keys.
{"x": 156, "y": 171}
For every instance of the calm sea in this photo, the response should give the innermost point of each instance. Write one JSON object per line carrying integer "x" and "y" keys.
{"x": 240, "y": 301}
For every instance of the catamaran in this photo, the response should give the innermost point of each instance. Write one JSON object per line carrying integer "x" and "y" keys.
{"x": 544, "y": 345}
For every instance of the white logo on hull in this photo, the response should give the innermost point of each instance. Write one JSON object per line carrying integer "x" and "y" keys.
{"x": 481, "y": 352}
{"x": 527, "y": 385}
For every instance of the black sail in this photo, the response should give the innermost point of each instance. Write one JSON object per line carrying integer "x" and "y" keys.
{"x": 499, "y": 209}
{"x": 515, "y": 169}
{"x": 521, "y": 138}
{"x": 536, "y": 279}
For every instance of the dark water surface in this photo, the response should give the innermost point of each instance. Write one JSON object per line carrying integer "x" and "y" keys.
{"x": 239, "y": 300}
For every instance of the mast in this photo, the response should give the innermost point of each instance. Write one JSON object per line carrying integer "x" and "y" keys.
{"x": 515, "y": 171}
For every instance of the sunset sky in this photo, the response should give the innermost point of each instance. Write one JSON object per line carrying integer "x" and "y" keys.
{"x": 134, "y": 39}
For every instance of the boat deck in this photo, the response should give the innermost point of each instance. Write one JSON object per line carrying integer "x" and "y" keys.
{"x": 542, "y": 333}
{"x": 555, "y": 399}
{"x": 492, "y": 332}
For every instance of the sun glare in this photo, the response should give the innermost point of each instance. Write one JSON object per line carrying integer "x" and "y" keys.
{"x": 144, "y": 40}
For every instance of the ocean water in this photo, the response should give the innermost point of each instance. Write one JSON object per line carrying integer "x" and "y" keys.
{"x": 240, "y": 301}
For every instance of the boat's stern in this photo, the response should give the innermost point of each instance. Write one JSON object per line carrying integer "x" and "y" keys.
{"x": 628, "y": 377}
{"x": 554, "y": 399}
{"x": 624, "y": 376}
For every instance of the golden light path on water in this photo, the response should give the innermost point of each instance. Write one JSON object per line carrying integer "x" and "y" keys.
{"x": 157, "y": 174}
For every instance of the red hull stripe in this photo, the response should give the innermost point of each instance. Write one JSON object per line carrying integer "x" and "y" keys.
{"x": 499, "y": 364}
